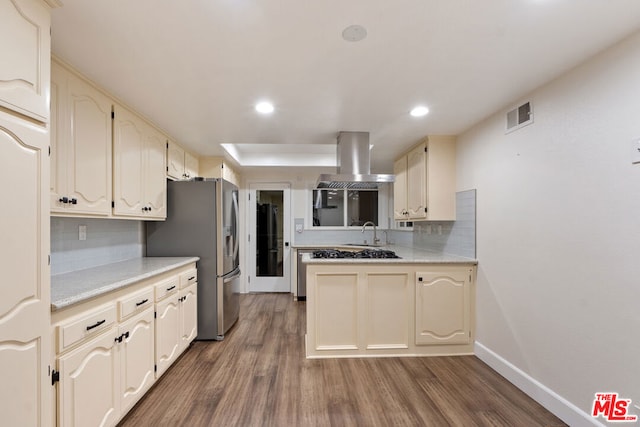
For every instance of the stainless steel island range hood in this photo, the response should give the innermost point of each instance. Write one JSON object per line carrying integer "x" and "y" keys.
{"x": 354, "y": 165}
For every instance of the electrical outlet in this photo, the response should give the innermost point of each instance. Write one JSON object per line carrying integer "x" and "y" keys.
{"x": 298, "y": 228}
{"x": 82, "y": 232}
{"x": 635, "y": 151}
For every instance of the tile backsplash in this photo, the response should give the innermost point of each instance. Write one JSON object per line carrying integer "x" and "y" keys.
{"x": 107, "y": 241}
{"x": 452, "y": 237}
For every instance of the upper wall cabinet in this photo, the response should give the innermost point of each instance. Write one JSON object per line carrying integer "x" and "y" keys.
{"x": 180, "y": 163}
{"x": 24, "y": 79}
{"x": 80, "y": 146}
{"x": 425, "y": 183}
{"x": 218, "y": 167}
{"x": 139, "y": 167}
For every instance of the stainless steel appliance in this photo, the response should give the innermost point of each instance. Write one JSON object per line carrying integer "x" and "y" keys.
{"x": 202, "y": 220}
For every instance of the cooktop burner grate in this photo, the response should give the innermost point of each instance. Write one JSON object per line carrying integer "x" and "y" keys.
{"x": 365, "y": 253}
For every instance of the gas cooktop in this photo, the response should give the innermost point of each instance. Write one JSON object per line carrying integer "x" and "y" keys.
{"x": 365, "y": 253}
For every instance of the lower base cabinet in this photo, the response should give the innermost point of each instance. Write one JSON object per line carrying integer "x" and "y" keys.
{"x": 106, "y": 361}
{"x": 88, "y": 389}
{"x": 167, "y": 332}
{"x": 443, "y": 307}
{"x": 176, "y": 322}
{"x": 389, "y": 310}
{"x": 137, "y": 358}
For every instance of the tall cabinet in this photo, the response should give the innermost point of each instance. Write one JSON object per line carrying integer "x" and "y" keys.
{"x": 24, "y": 147}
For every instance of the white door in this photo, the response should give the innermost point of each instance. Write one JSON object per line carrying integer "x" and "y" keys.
{"x": 269, "y": 233}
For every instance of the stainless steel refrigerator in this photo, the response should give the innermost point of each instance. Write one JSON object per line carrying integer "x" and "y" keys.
{"x": 203, "y": 220}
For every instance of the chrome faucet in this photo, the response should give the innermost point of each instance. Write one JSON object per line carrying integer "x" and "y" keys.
{"x": 375, "y": 236}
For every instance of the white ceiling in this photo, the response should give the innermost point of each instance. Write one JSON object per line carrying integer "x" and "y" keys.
{"x": 197, "y": 68}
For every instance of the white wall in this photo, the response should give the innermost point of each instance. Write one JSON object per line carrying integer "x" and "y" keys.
{"x": 558, "y": 235}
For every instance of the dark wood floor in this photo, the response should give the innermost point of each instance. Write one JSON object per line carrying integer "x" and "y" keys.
{"x": 258, "y": 376}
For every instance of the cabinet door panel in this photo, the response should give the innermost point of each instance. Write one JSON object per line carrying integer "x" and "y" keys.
{"x": 189, "y": 317}
{"x": 136, "y": 358}
{"x": 24, "y": 306}
{"x": 89, "y": 149}
{"x": 443, "y": 307}
{"x": 87, "y": 394}
{"x": 25, "y": 44}
{"x": 128, "y": 160}
{"x": 167, "y": 333}
{"x": 175, "y": 161}
{"x": 155, "y": 180}
{"x": 191, "y": 165}
{"x": 387, "y": 311}
{"x": 58, "y": 181}
{"x": 400, "y": 189}
{"x": 417, "y": 183}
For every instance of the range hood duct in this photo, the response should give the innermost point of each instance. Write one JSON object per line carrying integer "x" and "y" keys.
{"x": 354, "y": 165}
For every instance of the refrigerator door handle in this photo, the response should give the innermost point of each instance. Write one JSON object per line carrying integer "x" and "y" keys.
{"x": 232, "y": 277}
{"x": 236, "y": 209}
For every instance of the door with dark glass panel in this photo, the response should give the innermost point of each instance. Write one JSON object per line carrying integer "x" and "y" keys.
{"x": 269, "y": 245}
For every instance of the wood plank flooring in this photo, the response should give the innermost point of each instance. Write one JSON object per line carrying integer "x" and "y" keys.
{"x": 258, "y": 376}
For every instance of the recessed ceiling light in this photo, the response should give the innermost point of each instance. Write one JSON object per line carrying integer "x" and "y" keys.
{"x": 264, "y": 107}
{"x": 419, "y": 111}
{"x": 354, "y": 33}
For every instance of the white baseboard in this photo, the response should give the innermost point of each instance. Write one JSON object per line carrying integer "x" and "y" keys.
{"x": 553, "y": 402}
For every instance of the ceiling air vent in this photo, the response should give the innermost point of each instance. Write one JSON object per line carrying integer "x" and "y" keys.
{"x": 519, "y": 117}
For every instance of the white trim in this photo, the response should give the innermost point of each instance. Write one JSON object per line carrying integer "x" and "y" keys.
{"x": 552, "y": 401}
{"x": 270, "y": 283}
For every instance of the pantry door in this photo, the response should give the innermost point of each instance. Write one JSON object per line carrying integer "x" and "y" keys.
{"x": 269, "y": 238}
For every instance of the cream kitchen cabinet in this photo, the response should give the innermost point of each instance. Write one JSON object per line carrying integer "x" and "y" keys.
{"x": 25, "y": 43}
{"x": 88, "y": 392}
{"x": 443, "y": 306}
{"x": 218, "y": 167}
{"x": 188, "y": 315}
{"x": 180, "y": 163}
{"x": 188, "y": 307}
{"x": 168, "y": 339}
{"x": 137, "y": 357}
{"x": 103, "y": 378}
{"x": 425, "y": 183}
{"x": 24, "y": 306}
{"x": 25, "y": 339}
{"x": 139, "y": 184}
{"x": 80, "y": 146}
{"x": 106, "y": 347}
{"x": 384, "y": 309}
{"x": 176, "y": 318}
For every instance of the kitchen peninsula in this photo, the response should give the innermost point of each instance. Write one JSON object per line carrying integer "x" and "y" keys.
{"x": 420, "y": 304}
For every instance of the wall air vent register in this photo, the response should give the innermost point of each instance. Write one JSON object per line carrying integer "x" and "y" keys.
{"x": 519, "y": 117}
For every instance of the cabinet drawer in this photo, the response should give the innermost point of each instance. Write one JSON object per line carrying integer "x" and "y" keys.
{"x": 188, "y": 278}
{"x": 85, "y": 326}
{"x": 167, "y": 287}
{"x": 135, "y": 303}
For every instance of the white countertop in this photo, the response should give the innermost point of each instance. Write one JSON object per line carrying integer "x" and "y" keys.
{"x": 407, "y": 256}
{"x": 75, "y": 287}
